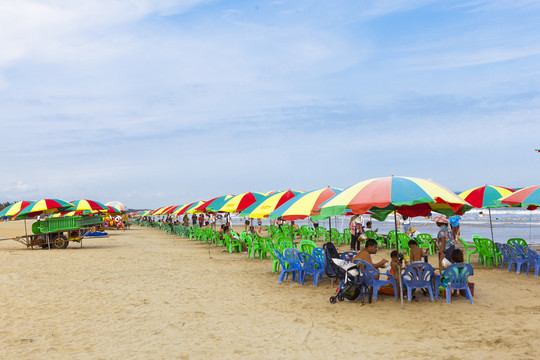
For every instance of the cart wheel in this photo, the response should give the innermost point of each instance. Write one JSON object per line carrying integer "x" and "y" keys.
{"x": 333, "y": 299}
{"x": 60, "y": 242}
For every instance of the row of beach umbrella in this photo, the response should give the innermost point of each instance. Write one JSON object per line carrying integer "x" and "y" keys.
{"x": 29, "y": 209}
{"x": 378, "y": 197}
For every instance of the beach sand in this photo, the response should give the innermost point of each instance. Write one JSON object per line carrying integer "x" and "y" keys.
{"x": 143, "y": 294}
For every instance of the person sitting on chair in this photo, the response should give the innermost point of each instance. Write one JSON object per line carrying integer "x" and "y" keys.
{"x": 417, "y": 254}
{"x": 370, "y": 249}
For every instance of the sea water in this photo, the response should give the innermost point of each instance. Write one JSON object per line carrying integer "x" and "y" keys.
{"x": 506, "y": 223}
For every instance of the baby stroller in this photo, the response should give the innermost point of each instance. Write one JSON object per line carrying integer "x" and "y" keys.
{"x": 352, "y": 282}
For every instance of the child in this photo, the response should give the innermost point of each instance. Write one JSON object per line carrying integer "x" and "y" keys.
{"x": 368, "y": 227}
{"x": 417, "y": 254}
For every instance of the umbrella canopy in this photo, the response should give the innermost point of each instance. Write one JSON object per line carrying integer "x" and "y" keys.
{"x": 214, "y": 204}
{"x": 409, "y": 196}
{"x": 110, "y": 210}
{"x": 169, "y": 209}
{"x": 486, "y": 196}
{"x": 271, "y": 203}
{"x": 528, "y": 197}
{"x": 304, "y": 205}
{"x": 118, "y": 205}
{"x": 161, "y": 210}
{"x": 240, "y": 202}
{"x": 83, "y": 204}
{"x": 193, "y": 208}
{"x": 180, "y": 210}
{"x": 43, "y": 206}
{"x": 14, "y": 209}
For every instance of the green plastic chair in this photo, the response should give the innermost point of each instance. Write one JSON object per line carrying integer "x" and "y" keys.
{"x": 425, "y": 241}
{"x": 321, "y": 232}
{"x": 518, "y": 241}
{"x": 374, "y": 236}
{"x": 404, "y": 242}
{"x": 336, "y": 236}
{"x": 286, "y": 244}
{"x": 307, "y": 246}
{"x": 347, "y": 236}
{"x": 468, "y": 250}
{"x": 489, "y": 252}
{"x": 233, "y": 245}
{"x": 269, "y": 246}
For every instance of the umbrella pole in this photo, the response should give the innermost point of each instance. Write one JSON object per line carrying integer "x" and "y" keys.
{"x": 330, "y": 225}
{"x": 492, "y": 239}
{"x": 397, "y": 246}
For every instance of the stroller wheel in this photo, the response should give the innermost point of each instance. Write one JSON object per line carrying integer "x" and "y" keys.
{"x": 332, "y": 299}
{"x": 340, "y": 297}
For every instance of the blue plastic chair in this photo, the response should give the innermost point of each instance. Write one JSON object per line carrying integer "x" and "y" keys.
{"x": 533, "y": 260}
{"x": 318, "y": 254}
{"x": 370, "y": 272}
{"x": 310, "y": 267}
{"x": 517, "y": 258}
{"x": 289, "y": 265}
{"x": 505, "y": 254}
{"x": 455, "y": 277}
{"x": 348, "y": 255}
{"x": 418, "y": 276}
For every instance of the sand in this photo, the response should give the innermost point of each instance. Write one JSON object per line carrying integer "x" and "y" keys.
{"x": 143, "y": 294}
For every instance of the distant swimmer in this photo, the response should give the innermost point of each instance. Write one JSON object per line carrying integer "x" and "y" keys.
{"x": 481, "y": 215}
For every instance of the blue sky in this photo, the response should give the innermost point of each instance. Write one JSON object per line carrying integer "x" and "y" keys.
{"x": 166, "y": 102}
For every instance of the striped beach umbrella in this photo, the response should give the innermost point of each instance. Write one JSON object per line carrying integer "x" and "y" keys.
{"x": 271, "y": 203}
{"x": 43, "y": 206}
{"x": 180, "y": 210}
{"x": 240, "y": 202}
{"x": 486, "y": 196}
{"x": 193, "y": 208}
{"x": 527, "y": 197}
{"x": 84, "y": 204}
{"x": 118, "y": 205}
{"x": 304, "y": 205}
{"x": 214, "y": 204}
{"x": 14, "y": 209}
{"x": 406, "y": 195}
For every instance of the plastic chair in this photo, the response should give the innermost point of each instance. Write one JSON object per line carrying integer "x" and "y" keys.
{"x": 269, "y": 246}
{"x": 347, "y": 236}
{"x": 288, "y": 266}
{"x": 517, "y": 259}
{"x": 310, "y": 267}
{"x": 455, "y": 277}
{"x": 486, "y": 249}
{"x": 320, "y": 231}
{"x": 233, "y": 245}
{"x": 404, "y": 242}
{"x": 348, "y": 255}
{"x": 286, "y": 244}
{"x": 505, "y": 254}
{"x": 391, "y": 238}
{"x": 469, "y": 252}
{"x": 425, "y": 241}
{"x": 318, "y": 253}
{"x": 518, "y": 241}
{"x": 370, "y": 272}
{"x": 418, "y": 276}
{"x": 307, "y": 246}
{"x": 373, "y": 235}
{"x": 533, "y": 260}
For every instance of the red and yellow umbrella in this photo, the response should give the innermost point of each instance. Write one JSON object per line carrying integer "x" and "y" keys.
{"x": 407, "y": 195}
{"x": 271, "y": 203}
{"x": 304, "y": 205}
{"x": 43, "y": 206}
{"x": 84, "y": 204}
{"x": 240, "y": 202}
{"x": 527, "y": 197}
{"x": 14, "y": 209}
{"x": 486, "y": 196}
{"x": 180, "y": 210}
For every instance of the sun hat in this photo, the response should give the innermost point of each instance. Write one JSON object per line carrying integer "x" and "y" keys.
{"x": 440, "y": 219}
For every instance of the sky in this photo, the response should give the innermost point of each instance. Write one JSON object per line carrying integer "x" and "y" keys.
{"x": 166, "y": 102}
